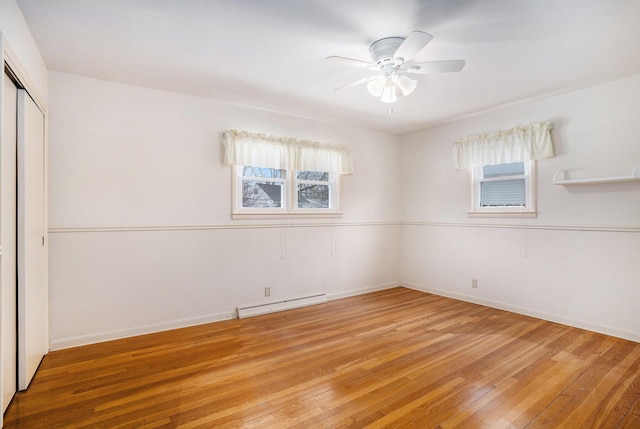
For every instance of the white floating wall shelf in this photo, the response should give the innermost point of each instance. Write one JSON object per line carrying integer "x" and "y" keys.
{"x": 562, "y": 178}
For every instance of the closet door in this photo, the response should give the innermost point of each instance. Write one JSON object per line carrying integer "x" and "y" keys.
{"x": 8, "y": 277}
{"x": 33, "y": 301}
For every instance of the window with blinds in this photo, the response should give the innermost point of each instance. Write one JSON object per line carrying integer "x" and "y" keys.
{"x": 503, "y": 185}
{"x": 503, "y": 188}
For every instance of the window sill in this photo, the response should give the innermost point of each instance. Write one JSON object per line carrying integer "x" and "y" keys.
{"x": 503, "y": 213}
{"x": 311, "y": 215}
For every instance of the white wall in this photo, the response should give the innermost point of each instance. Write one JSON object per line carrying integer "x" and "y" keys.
{"x": 18, "y": 39}
{"x": 146, "y": 166}
{"x": 577, "y": 263}
{"x": 141, "y": 237}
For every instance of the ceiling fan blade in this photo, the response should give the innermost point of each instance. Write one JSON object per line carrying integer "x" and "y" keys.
{"x": 445, "y": 66}
{"x": 357, "y": 82}
{"x": 350, "y": 62}
{"x": 414, "y": 43}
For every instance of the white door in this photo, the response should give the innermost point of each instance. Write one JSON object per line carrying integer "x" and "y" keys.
{"x": 33, "y": 300}
{"x": 8, "y": 233}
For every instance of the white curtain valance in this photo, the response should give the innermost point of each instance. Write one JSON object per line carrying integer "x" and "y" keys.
{"x": 260, "y": 150}
{"x": 517, "y": 144}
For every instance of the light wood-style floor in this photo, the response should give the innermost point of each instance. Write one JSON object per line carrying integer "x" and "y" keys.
{"x": 396, "y": 358}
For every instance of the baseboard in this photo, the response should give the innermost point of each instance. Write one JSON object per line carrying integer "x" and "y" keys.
{"x": 139, "y": 330}
{"x": 285, "y": 304}
{"x": 582, "y": 324}
{"x": 361, "y": 291}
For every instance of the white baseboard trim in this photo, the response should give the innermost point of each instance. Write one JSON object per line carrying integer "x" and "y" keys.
{"x": 582, "y": 324}
{"x": 84, "y": 340}
{"x": 361, "y": 291}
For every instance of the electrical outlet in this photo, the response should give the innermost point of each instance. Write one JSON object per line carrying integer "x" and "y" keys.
{"x": 474, "y": 283}
{"x": 267, "y": 291}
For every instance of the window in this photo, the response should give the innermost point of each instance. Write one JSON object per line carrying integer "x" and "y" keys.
{"x": 502, "y": 165}
{"x": 284, "y": 177}
{"x": 313, "y": 190}
{"x": 503, "y": 189}
{"x": 260, "y": 192}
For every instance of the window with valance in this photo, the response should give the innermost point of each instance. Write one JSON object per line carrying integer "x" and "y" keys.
{"x": 284, "y": 176}
{"x": 502, "y": 165}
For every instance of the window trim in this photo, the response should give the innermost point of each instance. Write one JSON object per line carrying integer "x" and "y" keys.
{"x": 289, "y": 208}
{"x": 529, "y": 211}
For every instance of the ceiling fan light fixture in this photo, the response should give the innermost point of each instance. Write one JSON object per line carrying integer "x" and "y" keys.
{"x": 376, "y": 87}
{"x": 389, "y": 94}
{"x": 393, "y": 58}
{"x": 406, "y": 84}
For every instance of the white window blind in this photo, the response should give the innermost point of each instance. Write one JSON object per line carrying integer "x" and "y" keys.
{"x": 503, "y": 185}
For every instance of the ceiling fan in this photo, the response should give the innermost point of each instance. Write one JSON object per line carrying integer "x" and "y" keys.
{"x": 395, "y": 58}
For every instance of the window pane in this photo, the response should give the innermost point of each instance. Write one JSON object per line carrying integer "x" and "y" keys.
{"x": 313, "y": 196}
{"x": 321, "y": 176}
{"x": 271, "y": 173}
{"x": 513, "y": 169}
{"x": 503, "y": 193}
{"x": 261, "y": 194}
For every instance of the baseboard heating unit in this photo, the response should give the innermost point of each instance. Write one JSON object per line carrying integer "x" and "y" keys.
{"x": 287, "y": 304}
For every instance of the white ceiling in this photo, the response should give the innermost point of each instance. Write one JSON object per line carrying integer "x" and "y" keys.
{"x": 270, "y": 53}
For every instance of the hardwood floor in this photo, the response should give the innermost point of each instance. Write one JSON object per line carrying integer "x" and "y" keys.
{"x": 396, "y": 358}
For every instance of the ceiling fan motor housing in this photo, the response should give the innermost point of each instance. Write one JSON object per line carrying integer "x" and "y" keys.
{"x": 382, "y": 51}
